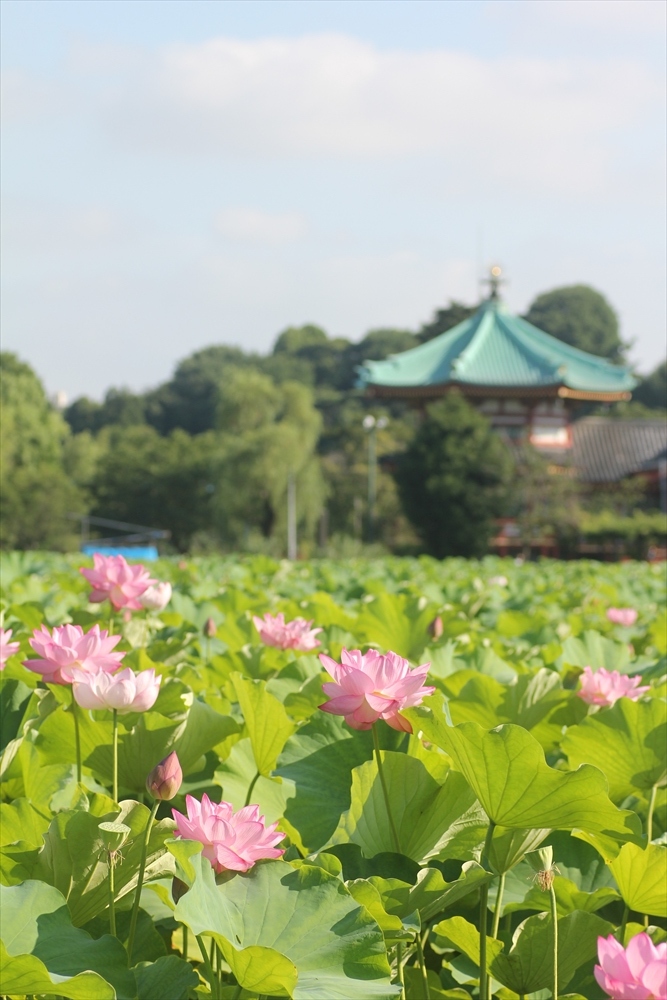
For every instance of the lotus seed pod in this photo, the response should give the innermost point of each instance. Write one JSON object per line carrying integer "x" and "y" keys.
{"x": 114, "y": 835}
{"x": 166, "y": 778}
{"x": 541, "y": 860}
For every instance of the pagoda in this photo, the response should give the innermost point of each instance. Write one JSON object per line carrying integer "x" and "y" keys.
{"x": 525, "y": 381}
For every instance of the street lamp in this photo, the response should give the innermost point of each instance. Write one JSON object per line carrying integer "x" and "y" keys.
{"x": 371, "y": 425}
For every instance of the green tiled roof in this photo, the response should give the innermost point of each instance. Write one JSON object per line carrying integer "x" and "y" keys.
{"x": 494, "y": 348}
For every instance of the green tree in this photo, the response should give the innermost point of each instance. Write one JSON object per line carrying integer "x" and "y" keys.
{"x": 190, "y": 399}
{"x": 581, "y": 317}
{"x": 267, "y": 433}
{"x": 453, "y": 479}
{"x": 163, "y": 482}
{"x": 295, "y": 338}
{"x": 35, "y": 492}
{"x": 652, "y": 390}
{"x": 444, "y": 319}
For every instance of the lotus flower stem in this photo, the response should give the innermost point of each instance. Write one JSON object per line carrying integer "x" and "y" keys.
{"x": 399, "y": 969}
{"x": 115, "y": 755}
{"x": 251, "y": 789}
{"x": 422, "y": 966}
{"x": 385, "y": 792}
{"x": 554, "y": 921}
{"x": 142, "y": 869}
{"x": 649, "y": 818}
{"x": 483, "y": 914}
{"x": 624, "y": 920}
{"x": 185, "y": 942}
{"x": 112, "y": 893}
{"x": 499, "y": 905}
{"x": 210, "y": 974}
{"x": 77, "y": 736}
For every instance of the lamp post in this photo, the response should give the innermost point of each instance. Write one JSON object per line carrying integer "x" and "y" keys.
{"x": 371, "y": 425}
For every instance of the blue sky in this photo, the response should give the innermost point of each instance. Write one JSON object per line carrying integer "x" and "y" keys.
{"x": 177, "y": 174}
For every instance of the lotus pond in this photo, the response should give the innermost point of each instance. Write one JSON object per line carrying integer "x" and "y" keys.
{"x": 488, "y": 839}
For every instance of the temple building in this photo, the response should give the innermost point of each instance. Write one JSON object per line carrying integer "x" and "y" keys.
{"x": 524, "y": 380}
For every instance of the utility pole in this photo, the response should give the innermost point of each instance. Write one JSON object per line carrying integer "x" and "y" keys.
{"x": 291, "y": 517}
{"x": 371, "y": 425}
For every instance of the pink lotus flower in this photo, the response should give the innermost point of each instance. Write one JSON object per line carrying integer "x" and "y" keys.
{"x": 297, "y": 634}
{"x": 622, "y": 616}
{"x": 7, "y": 648}
{"x": 232, "y": 841}
{"x": 638, "y": 972}
{"x": 69, "y": 649}
{"x": 112, "y": 577}
{"x": 125, "y": 691}
{"x": 602, "y": 687}
{"x": 157, "y": 597}
{"x": 371, "y": 686}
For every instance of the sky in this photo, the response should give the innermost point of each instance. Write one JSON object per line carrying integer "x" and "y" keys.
{"x": 179, "y": 173}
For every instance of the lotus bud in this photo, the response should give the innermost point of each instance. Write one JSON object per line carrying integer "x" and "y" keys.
{"x": 114, "y": 835}
{"x": 166, "y": 778}
{"x": 435, "y": 629}
{"x": 210, "y": 628}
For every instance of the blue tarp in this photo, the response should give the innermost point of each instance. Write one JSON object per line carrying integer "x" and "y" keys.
{"x": 145, "y": 553}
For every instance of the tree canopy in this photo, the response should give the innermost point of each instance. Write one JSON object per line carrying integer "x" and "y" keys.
{"x": 453, "y": 478}
{"x": 580, "y": 316}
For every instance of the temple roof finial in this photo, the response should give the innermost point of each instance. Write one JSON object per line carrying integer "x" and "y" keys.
{"x": 494, "y": 281}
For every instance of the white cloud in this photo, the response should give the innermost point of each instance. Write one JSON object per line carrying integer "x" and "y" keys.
{"x": 250, "y": 225}
{"x": 555, "y": 124}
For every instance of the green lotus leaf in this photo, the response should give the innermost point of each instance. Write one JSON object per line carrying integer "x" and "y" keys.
{"x": 43, "y": 946}
{"x": 169, "y": 978}
{"x": 460, "y": 934}
{"x": 508, "y": 847}
{"x": 14, "y": 703}
{"x": 397, "y": 622}
{"x": 641, "y": 876}
{"x": 73, "y": 858}
{"x": 580, "y": 862}
{"x": 238, "y": 772}
{"x": 151, "y": 737}
{"x": 414, "y": 986}
{"x": 568, "y": 899}
{"x": 369, "y": 895}
{"x": 286, "y": 931}
{"x": 433, "y": 808}
{"x": 508, "y": 772}
{"x": 266, "y": 720}
{"x": 529, "y": 965}
{"x": 537, "y": 702}
{"x": 323, "y": 746}
{"x": 19, "y": 821}
{"x": 627, "y": 742}
{"x": 430, "y": 894}
{"x": 595, "y": 650}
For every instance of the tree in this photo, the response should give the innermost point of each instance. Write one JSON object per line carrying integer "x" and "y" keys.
{"x": 453, "y": 479}
{"x": 581, "y": 317}
{"x": 35, "y": 491}
{"x": 295, "y": 338}
{"x": 652, "y": 390}
{"x": 445, "y": 319}
{"x": 190, "y": 399}
{"x": 163, "y": 482}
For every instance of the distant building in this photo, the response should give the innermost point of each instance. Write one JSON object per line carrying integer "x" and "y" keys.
{"x": 524, "y": 380}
